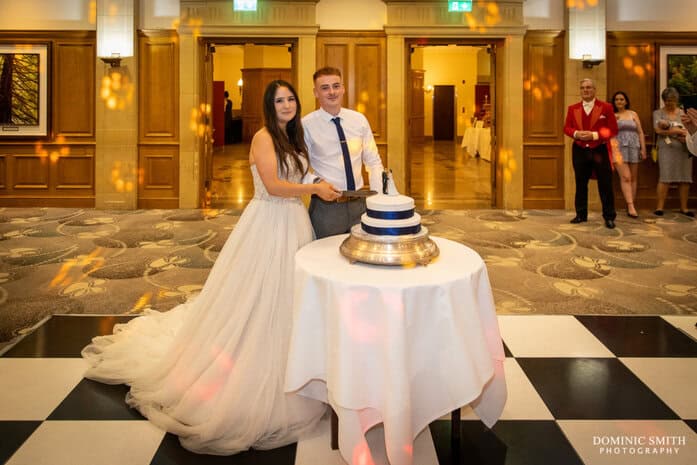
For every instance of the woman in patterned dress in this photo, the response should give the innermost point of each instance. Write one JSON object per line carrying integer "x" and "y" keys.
{"x": 630, "y": 141}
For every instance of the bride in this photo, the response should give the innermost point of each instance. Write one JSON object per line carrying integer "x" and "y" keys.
{"x": 212, "y": 370}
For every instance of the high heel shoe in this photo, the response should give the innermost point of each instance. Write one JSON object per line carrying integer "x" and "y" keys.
{"x": 632, "y": 215}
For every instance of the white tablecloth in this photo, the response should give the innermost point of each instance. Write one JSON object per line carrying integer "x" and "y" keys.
{"x": 401, "y": 346}
{"x": 478, "y": 140}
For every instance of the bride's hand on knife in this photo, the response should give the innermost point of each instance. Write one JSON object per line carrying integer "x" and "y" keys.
{"x": 326, "y": 191}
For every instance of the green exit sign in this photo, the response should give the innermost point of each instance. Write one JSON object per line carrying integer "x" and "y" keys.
{"x": 460, "y": 6}
{"x": 244, "y": 5}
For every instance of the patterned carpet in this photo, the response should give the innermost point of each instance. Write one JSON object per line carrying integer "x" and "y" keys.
{"x": 75, "y": 261}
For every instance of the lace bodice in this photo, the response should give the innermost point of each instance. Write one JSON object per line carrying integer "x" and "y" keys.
{"x": 260, "y": 191}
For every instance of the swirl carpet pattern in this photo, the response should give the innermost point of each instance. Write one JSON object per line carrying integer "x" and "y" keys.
{"x": 82, "y": 261}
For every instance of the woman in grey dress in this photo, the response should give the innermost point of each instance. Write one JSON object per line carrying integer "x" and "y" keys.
{"x": 630, "y": 142}
{"x": 674, "y": 162}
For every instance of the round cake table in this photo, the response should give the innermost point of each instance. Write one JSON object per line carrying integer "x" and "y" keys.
{"x": 394, "y": 345}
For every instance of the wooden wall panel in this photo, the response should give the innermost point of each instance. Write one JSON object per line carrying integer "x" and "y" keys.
{"x": 56, "y": 170}
{"x": 75, "y": 172}
{"x": 544, "y": 177}
{"x": 158, "y": 177}
{"x": 158, "y": 88}
{"x": 74, "y": 89}
{"x": 368, "y": 84}
{"x": 3, "y": 173}
{"x": 543, "y": 119}
{"x": 52, "y": 176}
{"x": 542, "y": 87}
{"x": 634, "y": 55}
{"x": 30, "y": 171}
{"x": 335, "y": 53}
{"x": 361, "y": 58}
{"x": 158, "y": 120}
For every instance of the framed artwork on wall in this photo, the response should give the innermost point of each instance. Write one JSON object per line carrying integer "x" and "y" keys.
{"x": 678, "y": 68}
{"x": 23, "y": 90}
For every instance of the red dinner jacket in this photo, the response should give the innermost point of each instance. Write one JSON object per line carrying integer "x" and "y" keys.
{"x": 601, "y": 119}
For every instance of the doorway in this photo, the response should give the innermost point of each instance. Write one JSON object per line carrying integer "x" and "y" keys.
{"x": 443, "y": 112}
{"x": 452, "y": 82}
{"x": 242, "y": 67}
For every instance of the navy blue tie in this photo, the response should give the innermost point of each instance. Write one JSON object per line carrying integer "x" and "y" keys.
{"x": 350, "y": 181}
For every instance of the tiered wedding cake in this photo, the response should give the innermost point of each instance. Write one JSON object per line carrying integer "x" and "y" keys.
{"x": 390, "y": 215}
{"x": 390, "y": 232}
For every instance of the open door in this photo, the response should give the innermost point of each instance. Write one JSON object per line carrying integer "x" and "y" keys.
{"x": 206, "y": 50}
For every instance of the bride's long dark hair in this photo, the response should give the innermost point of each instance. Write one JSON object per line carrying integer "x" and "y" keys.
{"x": 289, "y": 144}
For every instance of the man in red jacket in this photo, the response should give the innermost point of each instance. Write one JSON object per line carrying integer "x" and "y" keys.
{"x": 591, "y": 123}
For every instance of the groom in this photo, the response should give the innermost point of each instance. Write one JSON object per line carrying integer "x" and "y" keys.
{"x": 339, "y": 142}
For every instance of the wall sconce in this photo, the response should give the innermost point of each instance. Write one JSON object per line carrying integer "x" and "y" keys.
{"x": 428, "y": 89}
{"x": 240, "y": 83}
{"x": 587, "y": 34}
{"x": 589, "y": 62}
{"x": 114, "y": 31}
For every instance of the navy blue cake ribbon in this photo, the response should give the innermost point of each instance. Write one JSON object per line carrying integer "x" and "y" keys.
{"x": 391, "y": 231}
{"x": 404, "y": 214}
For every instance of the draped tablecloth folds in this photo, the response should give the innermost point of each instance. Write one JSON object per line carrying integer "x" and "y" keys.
{"x": 401, "y": 346}
{"x": 477, "y": 140}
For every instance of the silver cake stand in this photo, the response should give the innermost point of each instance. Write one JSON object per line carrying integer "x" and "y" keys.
{"x": 409, "y": 249}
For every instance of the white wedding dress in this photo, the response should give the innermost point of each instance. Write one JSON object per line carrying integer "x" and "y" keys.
{"x": 212, "y": 370}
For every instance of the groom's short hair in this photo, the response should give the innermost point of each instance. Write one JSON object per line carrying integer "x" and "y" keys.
{"x": 326, "y": 71}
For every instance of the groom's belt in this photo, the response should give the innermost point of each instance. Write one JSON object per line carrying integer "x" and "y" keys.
{"x": 342, "y": 199}
{"x": 347, "y": 198}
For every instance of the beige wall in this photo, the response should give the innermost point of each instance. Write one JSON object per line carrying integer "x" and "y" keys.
{"x": 509, "y": 95}
{"x": 158, "y": 14}
{"x": 229, "y": 60}
{"x": 483, "y": 66}
{"x": 544, "y": 14}
{"x": 48, "y": 14}
{"x": 266, "y": 56}
{"x": 71, "y": 15}
{"x": 351, "y": 15}
{"x": 622, "y": 15}
{"x": 651, "y": 15}
{"x": 447, "y": 65}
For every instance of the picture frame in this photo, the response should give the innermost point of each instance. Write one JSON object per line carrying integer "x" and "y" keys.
{"x": 678, "y": 68}
{"x": 23, "y": 90}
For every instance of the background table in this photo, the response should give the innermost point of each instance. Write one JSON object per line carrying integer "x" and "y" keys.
{"x": 478, "y": 140}
{"x": 401, "y": 346}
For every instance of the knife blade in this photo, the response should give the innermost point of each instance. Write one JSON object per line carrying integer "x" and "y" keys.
{"x": 360, "y": 193}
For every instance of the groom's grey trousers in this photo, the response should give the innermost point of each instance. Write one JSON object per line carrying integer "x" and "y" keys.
{"x": 331, "y": 218}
